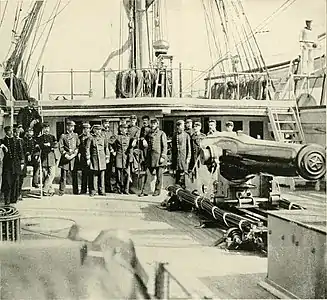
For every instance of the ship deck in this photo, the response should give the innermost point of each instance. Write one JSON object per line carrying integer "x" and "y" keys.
{"x": 160, "y": 236}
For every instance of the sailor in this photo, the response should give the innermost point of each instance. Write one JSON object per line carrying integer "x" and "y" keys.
{"x": 28, "y": 117}
{"x": 68, "y": 148}
{"x": 181, "y": 153}
{"x": 229, "y": 126}
{"x": 196, "y": 139}
{"x": 189, "y": 126}
{"x": 212, "y": 127}
{"x": 13, "y": 164}
{"x": 134, "y": 134}
{"x": 97, "y": 156}
{"x": 32, "y": 155}
{"x": 156, "y": 159}
{"x": 143, "y": 141}
{"x": 87, "y": 179}
{"x": 17, "y": 131}
{"x": 48, "y": 144}
{"x": 122, "y": 148}
{"x": 110, "y": 181}
{"x": 307, "y": 44}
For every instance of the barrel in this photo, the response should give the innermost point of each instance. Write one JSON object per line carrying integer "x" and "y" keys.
{"x": 9, "y": 224}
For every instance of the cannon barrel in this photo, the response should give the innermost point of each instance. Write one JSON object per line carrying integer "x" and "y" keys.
{"x": 240, "y": 155}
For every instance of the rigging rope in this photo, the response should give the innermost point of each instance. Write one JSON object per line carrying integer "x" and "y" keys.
{"x": 257, "y": 28}
{"x": 4, "y": 12}
{"x": 43, "y": 48}
{"x": 206, "y": 23}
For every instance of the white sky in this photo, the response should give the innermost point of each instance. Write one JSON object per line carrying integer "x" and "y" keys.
{"x": 86, "y": 31}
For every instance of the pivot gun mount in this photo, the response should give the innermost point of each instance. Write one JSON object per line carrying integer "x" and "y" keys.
{"x": 232, "y": 183}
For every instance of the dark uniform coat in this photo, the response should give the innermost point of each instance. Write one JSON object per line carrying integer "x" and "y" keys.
{"x": 195, "y": 146}
{"x": 157, "y": 149}
{"x": 82, "y": 150}
{"x": 31, "y": 147}
{"x": 68, "y": 144}
{"x": 181, "y": 151}
{"x": 122, "y": 147}
{"x": 14, "y": 157}
{"x": 97, "y": 152}
{"x": 26, "y": 115}
{"x": 48, "y": 156}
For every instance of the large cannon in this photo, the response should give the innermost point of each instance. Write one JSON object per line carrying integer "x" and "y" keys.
{"x": 232, "y": 182}
{"x": 240, "y": 155}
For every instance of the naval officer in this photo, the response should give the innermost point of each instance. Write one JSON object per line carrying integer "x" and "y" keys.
{"x": 181, "y": 152}
{"x": 87, "y": 179}
{"x": 196, "y": 139}
{"x": 97, "y": 156}
{"x": 13, "y": 164}
{"x": 68, "y": 147}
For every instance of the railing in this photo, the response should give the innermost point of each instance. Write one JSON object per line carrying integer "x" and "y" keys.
{"x": 80, "y": 84}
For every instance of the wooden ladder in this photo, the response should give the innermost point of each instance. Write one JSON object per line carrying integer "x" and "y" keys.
{"x": 286, "y": 125}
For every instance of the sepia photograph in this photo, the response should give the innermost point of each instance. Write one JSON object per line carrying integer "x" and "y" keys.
{"x": 163, "y": 149}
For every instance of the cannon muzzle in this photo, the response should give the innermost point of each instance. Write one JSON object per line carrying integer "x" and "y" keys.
{"x": 240, "y": 155}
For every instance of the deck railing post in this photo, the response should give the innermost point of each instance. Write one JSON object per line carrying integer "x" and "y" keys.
{"x": 71, "y": 84}
{"x": 90, "y": 84}
{"x": 104, "y": 84}
{"x": 180, "y": 81}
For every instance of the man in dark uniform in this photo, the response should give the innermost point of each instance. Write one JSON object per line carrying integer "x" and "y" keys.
{"x": 17, "y": 130}
{"x": 134, "y": 134}
{"x": 87, "y": 179}
{"x": 32, "y": 154}
{"x": 189, "y": 126}
{"x": 13, "y": 164}
{"x": 212, "y": 127}
{"x": 28, "y": 117}
{"x": 181, "y": 153}
{"x": 196, "y": 138}
{"x": 68, "y": 147}
{"x": 156, "y": 159}
{"x": 48, "y": 144}
{"x": 122, "y": 148}
{"x": 143, "y": 141}
{"x": 97, "y": 156}
{"x": 110, "y": 168}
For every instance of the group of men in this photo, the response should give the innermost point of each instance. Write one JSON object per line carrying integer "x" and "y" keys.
{"x": 106, "y": 160}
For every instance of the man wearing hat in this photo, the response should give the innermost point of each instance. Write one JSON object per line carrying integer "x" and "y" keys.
{"x": 17, "y": 131}
{"x": 48, "y": 143}
{"x": 97, "y": 156}
{"x": 110, "y": 181}
{"x": 28, "y": 117}
{"x": 189, "y": 126}
{"x": 87, "y": 179}
{"x": 307, "y": 45}
{"x": 143, "y": 141}
{"x": 229, "y": 126}
{"x": 181, "y": 153}
{"x": 212, "y": 127}
{"x": 122, "y": 146}
{"x": 13, "y": 165}
{"x": 68, "y": 148}
{"x": 196, "y": 139}
{"x": 134, "y": 133}
{"x": 156, "y": 159}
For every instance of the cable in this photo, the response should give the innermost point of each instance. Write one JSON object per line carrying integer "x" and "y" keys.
{"x": 4, "y": 12}
{"x": 258, "y": 28}
{"x": 57, "y": 14}
{"x": 43, "y": 48}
